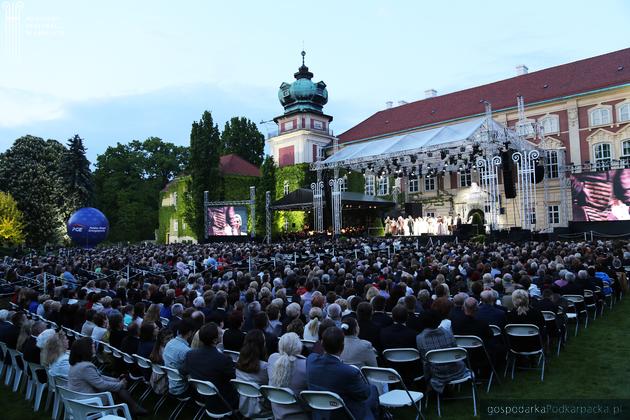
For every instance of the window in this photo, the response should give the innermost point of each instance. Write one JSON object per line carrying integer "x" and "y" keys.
{"x": 414, "y": 185}
{"x": 429, "y": 183}
{"x": 532, "y": 217}
{"x": 526, "y": 128}
{"x": 175, "y": 225}
{"x": 318, "y": 125}
{"x": 465, "y": 179}
{"x": 551, "y": 164}
{"x": 286, "y": 187}
{"x": 369, "y": 185}
{"x": 602, "y": 156}
{"x": 343, "y": 187}
{"x": 383, "y": 185}
{"x": 550, "y": 124}
{"x": 599, "y": 116}
{"x": 554, "y": 214}
{"x": 175, "y": 199}
{"x": 623, "y": 111}
{"x": 625, "y": 153}
{"x": 430, "y": 214}
{"x": 183, "y": 225}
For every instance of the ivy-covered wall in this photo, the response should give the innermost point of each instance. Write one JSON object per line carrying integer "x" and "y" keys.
{"x": 297, "y": 176}
{"x": 169, "y": 213}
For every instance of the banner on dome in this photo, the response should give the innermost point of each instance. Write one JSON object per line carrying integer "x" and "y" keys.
{"x": 227, "y": 221}
{"x": 601, "y": 196}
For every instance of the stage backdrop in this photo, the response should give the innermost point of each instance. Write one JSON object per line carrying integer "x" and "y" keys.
{"x": 227, "y": 221}
{"x": 599, "y": 196}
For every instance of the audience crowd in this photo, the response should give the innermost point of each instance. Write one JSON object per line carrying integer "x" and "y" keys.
{"x": 300, "y": 314}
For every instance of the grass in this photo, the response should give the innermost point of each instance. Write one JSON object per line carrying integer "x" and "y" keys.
{"x": 593, "y": 366}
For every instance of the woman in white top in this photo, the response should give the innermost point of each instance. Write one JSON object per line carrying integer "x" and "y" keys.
{"x": 287, "y": 369}
{"x": 54, "y": 354}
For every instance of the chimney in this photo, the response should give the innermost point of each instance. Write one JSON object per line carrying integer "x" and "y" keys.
{"x": 430, "y": 93}
{"x": 389, "y": 104}
{"x": 402, "y": 103}
{"x": 521, "y": 70}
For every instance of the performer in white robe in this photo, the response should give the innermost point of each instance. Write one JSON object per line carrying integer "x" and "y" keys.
{"x": 416, "y": 226}
{"x": 441, "y": 226}
{"x": 406, "y": 227}
{"x": 431, "y": 229}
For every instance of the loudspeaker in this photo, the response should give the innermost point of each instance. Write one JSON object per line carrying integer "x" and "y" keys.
{"x": 508, "y": 174}
{"x": 413, "y": 209}
{"x": 539, "y": 173}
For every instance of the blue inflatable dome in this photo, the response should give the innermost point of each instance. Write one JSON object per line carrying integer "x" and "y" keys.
{"x": 88, "y": 227}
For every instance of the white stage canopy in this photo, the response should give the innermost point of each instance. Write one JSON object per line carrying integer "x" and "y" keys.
{"x": 489, "y": 137}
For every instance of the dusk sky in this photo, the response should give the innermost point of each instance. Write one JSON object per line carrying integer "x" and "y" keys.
{"x": 115, "y": 71}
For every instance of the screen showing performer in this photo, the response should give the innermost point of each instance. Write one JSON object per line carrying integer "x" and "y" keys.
{"x": 227, "y": 221}
{"x": 600, "y": 196}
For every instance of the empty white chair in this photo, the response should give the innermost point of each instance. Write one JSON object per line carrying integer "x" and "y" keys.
{"x": 247, "y": 389}
{"x": 93, "y": 408}
{"x": 53, "y": 394}
{"x": 325, "y": 401}
{"x": 395, "y": 398}
{"x": 66, "y": 394}
{"x": 404, "y": 355}
{"x": 36, "y": 386}
{"x": 3, "y": 353}
{"x": 17, "y": 368}
{"x": 174, "y": 375}
{"x": 472, "y": 343}
{"x": 551, "y": 326}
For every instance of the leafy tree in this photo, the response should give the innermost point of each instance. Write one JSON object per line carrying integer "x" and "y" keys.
{"x": 11, "y": 222}
{"x": 241, "y": 136}
{"x": 76, "y": 176}
{"x": 29, "y": 171}
{"x": 128, "y": 180}
{"x": 267, "y": 182}
{"x": 203, "y": 167}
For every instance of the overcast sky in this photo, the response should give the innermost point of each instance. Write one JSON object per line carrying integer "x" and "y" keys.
{"x": 114, "y": 71}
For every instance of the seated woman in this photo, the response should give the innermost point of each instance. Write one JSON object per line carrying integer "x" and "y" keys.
{"x": 85, "y": 377}
{"x": 233, "y": 337}
{"x": 522, "y": 313}
{"x": 287, "y": 370}
{"x": 432, "y": 338}
{"x": 356, "y": 352}
{"x": 148, "y": 333}
{"x": 54, "y": 356}
{"x": 251, "y": 367}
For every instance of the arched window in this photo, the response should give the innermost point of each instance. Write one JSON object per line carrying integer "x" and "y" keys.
{"x": 623, "y": 112}
{"x": 603, "y": 155}
{"x": 550, "y": 124}
{"x": 599, "y": 116}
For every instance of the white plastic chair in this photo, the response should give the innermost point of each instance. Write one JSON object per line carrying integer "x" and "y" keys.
{"x": 591, "y": 302}
{"x": 578, "y": 305}
{"x": 247, "y": 389}
{"x": 234, "y": 355}
{"x": 325, "y": 401}
{"x": 159, "y": 370}
{"x": 207, "y": 389}
{"x": 17, "y": 368}
{"x": 520, "y": 331}
{"x": 3, "y": 353}
{"x": 403, "y": 355}
{"x": 309, "y": 344}
{"x": 145, "y": 366}
{"x": 93, "y": 408}
{"x": 53, "y": 394}
{"x": 453, "y": 355}
{"x": 174, "y": 375}
{"x": 286, "y": 398}
{"x": 35, "y": 387}
{"x": 395, "y": 398}
{"x": 474, "y": 343}
{"x": 66, "y": 394}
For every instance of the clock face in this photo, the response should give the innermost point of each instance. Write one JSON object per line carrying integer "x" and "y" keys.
{"x": 285, "y": 92}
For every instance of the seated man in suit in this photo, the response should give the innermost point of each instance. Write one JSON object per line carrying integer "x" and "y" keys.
{"x": 469, "y": 325}
{"x": 398, "y": 335}
{"x": 489, "y": 312}
{"x": 209, "y": 364}
{"x": 326, "y": 372}
{"x": 379, "y": 317}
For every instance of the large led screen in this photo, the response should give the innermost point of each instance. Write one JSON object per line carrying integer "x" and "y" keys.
{"x": 227, "y": 221}
{"x": 600, "y": 196}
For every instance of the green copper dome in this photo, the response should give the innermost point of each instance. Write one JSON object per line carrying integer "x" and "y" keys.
{"x": 303, "y": 94}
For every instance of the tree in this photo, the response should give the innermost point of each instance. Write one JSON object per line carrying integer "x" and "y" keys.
{"x": 267, "y": 182}
{"x": 29, "y": 171}
{"x": 205, "y": 147}
{"x": 241, "y": 136}
{"x": 128, "y": 180}
{"x": 11, "y": 222}
{"x": 76, "y": 176}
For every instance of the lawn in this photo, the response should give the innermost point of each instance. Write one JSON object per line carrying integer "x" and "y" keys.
{"x": 593, "y": 366}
